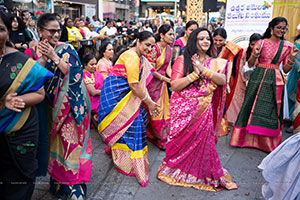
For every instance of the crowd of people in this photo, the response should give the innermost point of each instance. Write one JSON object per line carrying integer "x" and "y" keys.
{"x": 179, "y": 87}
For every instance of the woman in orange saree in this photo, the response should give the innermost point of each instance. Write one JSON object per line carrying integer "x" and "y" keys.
{"x": 160, "y": 58}
{"x": 196, "y": 109}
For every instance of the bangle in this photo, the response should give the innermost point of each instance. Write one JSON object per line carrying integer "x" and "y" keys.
{"x": 207, "y": 73}
{"x": 146, "y": 97}
{"x": 291, "y": 62}
{"x": 255, "y": 56}
{"x": 192, "y": 77}
{"x": 161, "y": 77}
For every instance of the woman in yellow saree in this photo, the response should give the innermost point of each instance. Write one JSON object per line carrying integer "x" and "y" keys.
{"x": 122, "y": 119}
{"x": 160, "y": 58}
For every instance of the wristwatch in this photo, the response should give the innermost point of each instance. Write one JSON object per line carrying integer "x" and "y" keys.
{"x": 56, "y": 61}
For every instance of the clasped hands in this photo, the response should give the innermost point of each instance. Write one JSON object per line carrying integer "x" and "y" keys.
{"x": 197, "y": 65}
{"x": 46, "y": 50}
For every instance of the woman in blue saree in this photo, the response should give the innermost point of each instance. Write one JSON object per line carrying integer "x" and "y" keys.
{"x": 21, "y": 87}
{"x": 122, "y": 119}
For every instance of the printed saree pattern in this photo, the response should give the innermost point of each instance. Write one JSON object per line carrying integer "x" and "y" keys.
{"x": 158, "y": 127}
{"x": 70, "y": 159}
{"x": 191, "y": 156}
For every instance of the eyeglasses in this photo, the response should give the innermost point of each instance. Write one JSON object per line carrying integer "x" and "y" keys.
{"x": 281, "y": 28}
{"x": 53, "y": 31}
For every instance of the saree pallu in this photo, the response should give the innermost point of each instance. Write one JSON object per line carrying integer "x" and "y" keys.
{"x": 233, "y": 53}
{"x": 292, "y": 84}
{"x": 20, "y": 74}
{"x": 70, "y": 161}
{"x": 259, "y": 124}
{"x": 158, "y": 127}
{"x": 122, "y": 123}
{"x": 191, "y": 156}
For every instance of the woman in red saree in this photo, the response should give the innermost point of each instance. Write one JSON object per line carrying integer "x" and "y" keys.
{"x": 259, "y": 123}
{"x": 160, "y": 58}
{"x": 196, "y": 109}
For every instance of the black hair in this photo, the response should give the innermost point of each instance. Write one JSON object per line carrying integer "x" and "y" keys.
{"x": 190, "y": 23}
{"x": 21, "y": 26}
{"x": 272, "y": 24}
{"x": 102, "y": 49}
{"x": 142, "y": 36}
{"x": 66, "y": 20}
{"x": 253, "y": 37}
{"x": 221, "y": 32}
{"x": 44, "y": 19}
{"x": 191, "y": 49}
{"x": 171, "y": 23}
{"x": 297, "y": 37}
{"x": 107, "y": 22}
{"x": 23, "y": 13}
{"x": 118, "y": 51}
{"x": 162, "y": 29}
{"x": 87, "y": 58}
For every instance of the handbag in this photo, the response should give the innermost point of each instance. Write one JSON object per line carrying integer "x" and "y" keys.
{"x": 247, "y": 71}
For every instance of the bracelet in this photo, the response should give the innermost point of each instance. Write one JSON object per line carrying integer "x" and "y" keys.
{"x": 291, "y": 62}
{"x": 255, "y": 56}
{"x": 161, "y": 77}
{"x": 192, "y": 77}
{"x": 146, "y": 97}
{"x": 207, "y": 73}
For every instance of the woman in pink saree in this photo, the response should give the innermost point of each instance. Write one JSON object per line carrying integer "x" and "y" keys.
{"x": 160, "y": 58}
{"x": 196, "y": 109}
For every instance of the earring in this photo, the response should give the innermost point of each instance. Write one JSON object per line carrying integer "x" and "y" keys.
{"x": 161, "y": 39}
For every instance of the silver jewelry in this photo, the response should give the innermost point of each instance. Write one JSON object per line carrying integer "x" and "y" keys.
{"x": 197, "y": 63}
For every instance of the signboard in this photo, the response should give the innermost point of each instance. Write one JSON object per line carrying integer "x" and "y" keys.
{"x": 90, "y": 10}
{"x": 245, "y": 17}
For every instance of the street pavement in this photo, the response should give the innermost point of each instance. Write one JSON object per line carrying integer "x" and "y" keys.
{"x": 108, "y": 184}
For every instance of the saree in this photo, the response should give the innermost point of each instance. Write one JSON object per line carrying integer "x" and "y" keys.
{"x": 178, "y": 49}
{"x": 296, "y": 113}
{"x": 158, "y": 127}
{"x": 122, "y": 119}
{"x": 259, "y": 123}
{"x": 236, "y": 87}
{"x": 95, "y": 79}
{"x": 42, "y": 151}
{"x": 70, "y": 160}
{"x": 19, "y": 130}
{"x": 292, "y": 84}
{"x": 280, "y": 170}
{"x": 196, "y": 111}
{"x": 104, "y": 66}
